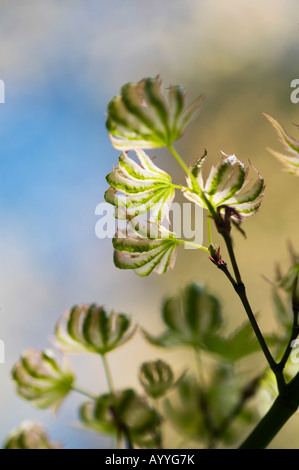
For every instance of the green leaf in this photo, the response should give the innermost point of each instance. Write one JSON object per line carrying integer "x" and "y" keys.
{"x": 143, "y": 187}
{"x": 191, "y": 318}
{"x": 226, "y": 178}
{"x": 90, "y": 328}
{"x": 198, "y": 410}
{"x": 29, "y": 435}
{"x": 283, "y": 293}
{"x": 145, "y": 250}
{"x": 111, "y": 414}
{"x": 165, "y": 340}
{"x": 225, "y": 391}
{"x": 40, "y": 378}
{"x": 142, "y": 117}
{"x": 194, "y": 319}
{"x": 291, "y": 162}
{"x": 184, "y": 410}
{"x": 238, "y": 345}
{"x": 228, "y": 184}
{"x": 282, "y": 312}
{"x": 286, "y": 282}
{"x": 156, "y": 377}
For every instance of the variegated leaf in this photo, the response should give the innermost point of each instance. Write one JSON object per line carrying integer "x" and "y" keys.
{"x": 190, "y": 318}
{"x": 145, "y": 250}
{"x": 142, "y": 117}
{"x": 291, "y": 162}
{"x": 40, "y": 378}
{"x": 288, "y": 281}
{"x": 29, "y": 435}
{"x": 156, "y": 377}
{"x": 194, "y": 319}
{"x": 228, "y": 184}
{"x": 90, "y": 328}
{"x": 188, "y": 407}
{"x": 130, "y": 412}
{"x": 144, "y": 187}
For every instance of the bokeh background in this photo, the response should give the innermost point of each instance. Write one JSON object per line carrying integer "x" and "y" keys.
{"x": 61, "y": 63}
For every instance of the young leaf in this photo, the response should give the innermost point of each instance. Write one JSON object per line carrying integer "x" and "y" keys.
{"x": 90, "y": 328}
{"x": 229, "y": 392}
{"x": 286, "y": 281}
{"x": 29, "y": 435}
{"x": 228, "y": 184}
{"x": 184, "y": 410}
{"x": 238, "y": 345}
{"x": 40, "y": 378}
{"x": 190, "y": 318}
{"x": 194, "y": 319}
{"x": 145, "y": 250}
{"x": 156, "y": 377}
{"x": 144, "y": 187}
{"x": 291, "y": 162}
{"x": 282, "y": 312}
{"x": 142, "y": 117}
{"x": 198, "y": 411}
{"x": 112, "y": 414}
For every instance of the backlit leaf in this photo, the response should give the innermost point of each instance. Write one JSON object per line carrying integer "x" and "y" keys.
{"x": 111, "y": 414}
{"x": 291, "y": 161}
{"x": 228, "y": 184}
{"x": 142, "y": 187}
{"x": 145, "y": 250}
{"x": 91, "y": 328}
{"x": 142, "y": 117}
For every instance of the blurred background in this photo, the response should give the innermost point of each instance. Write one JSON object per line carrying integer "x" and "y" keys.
{"x": 61, "y": 63}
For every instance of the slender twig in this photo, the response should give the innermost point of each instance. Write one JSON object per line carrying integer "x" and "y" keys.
{"x": 223, "y": 267}
{"x": 158, "y": 430}
{"x": 84, "y": 392}
{"x": 240, "y": 290}
{"x": 181, "y": 162}
{"x": 108, "y": 374}
{"x": 121, "y": 427}
{"x": 195, "y": 245}
{"x": 210, "y": 230}
{"x": 207, "y": 419}
{"x": 230, "y": 249}
{"x": 203, "y": 402}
